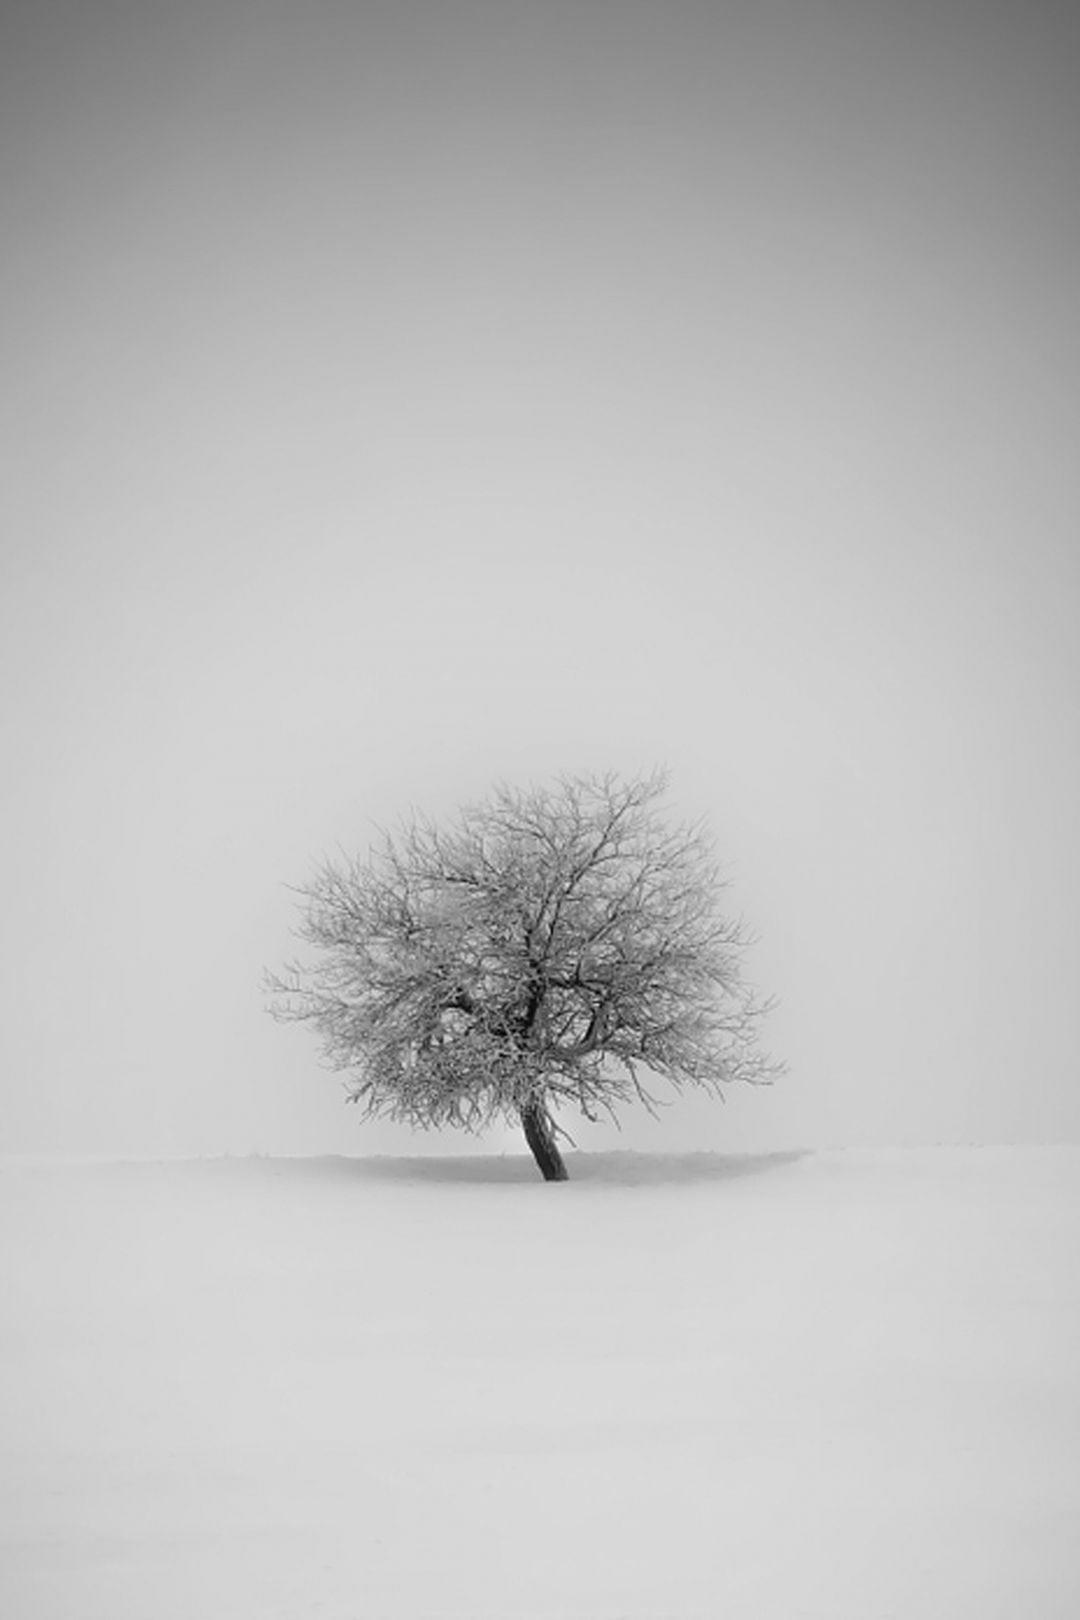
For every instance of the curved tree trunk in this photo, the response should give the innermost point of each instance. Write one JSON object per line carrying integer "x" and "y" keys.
{"x": 541, "y": 1139}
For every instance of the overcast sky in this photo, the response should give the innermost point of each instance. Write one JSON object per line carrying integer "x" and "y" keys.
{"x": 399, "y": 396}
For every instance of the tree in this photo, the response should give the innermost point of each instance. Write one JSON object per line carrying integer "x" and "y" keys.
{"x": 551, "y": 948}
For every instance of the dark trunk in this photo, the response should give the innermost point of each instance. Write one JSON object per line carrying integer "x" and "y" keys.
{"x": 540, "y": 1135}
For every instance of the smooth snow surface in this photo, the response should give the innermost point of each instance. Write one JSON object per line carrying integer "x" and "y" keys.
{"x": 839, "y": 1387}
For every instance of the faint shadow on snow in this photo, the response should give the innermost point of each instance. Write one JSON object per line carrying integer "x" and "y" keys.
{"x": 616, "y": 1168}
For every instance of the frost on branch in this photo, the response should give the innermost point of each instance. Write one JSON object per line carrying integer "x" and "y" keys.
{"x": 556, "y": 946}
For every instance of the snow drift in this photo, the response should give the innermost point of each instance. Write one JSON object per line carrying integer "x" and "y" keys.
{"x": 829, "y": 1387}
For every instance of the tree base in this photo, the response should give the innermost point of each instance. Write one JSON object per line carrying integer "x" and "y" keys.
{"x": 541, "y": 1139}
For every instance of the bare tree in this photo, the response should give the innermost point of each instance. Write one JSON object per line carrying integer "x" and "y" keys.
{"x": 553, "y": 947}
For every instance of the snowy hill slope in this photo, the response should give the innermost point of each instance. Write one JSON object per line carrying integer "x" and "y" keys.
{"x": 831, "y": 1387}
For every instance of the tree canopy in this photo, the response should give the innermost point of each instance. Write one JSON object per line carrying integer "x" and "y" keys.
{"x": 554, "y": 946}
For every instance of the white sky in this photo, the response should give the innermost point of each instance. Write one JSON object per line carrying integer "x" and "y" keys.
{"x": 399, "y": 396}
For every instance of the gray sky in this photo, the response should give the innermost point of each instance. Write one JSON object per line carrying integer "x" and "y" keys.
{"x": 399, "y": 396}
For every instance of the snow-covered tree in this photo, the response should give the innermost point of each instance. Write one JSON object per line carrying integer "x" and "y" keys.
{"x": 553, "y": 947}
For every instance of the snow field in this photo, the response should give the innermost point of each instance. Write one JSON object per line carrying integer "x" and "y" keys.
{"x": 831, "y": 1387}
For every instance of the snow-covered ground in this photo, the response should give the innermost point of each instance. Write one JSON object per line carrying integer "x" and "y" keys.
{"x": 840, "y": 1386}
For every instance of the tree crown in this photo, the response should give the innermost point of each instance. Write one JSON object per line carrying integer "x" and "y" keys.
{"x": 555, "y": 943}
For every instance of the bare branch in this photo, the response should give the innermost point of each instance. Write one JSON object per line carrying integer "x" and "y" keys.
{"x": 553, "y": 941}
